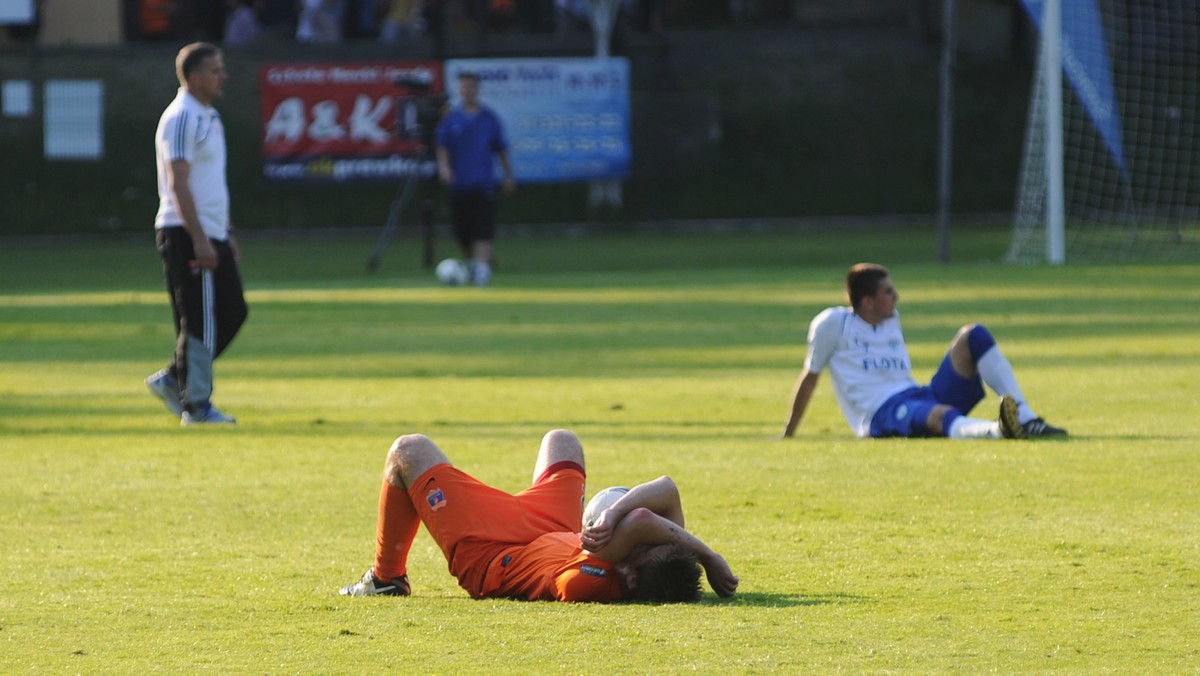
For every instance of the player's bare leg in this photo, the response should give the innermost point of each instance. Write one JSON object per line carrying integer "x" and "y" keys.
{"x": 960, "y": 353}
{"x": 409, "y": 457}
{"x": 558, "y": 446}
{"x": 481, "y": 262}
{"x": 974, "y": 352}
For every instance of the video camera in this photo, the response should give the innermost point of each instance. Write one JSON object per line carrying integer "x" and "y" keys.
{"x": 419, "y": 109}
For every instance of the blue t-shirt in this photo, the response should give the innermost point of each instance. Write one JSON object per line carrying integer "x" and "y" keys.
{"x": 472, "y": 139}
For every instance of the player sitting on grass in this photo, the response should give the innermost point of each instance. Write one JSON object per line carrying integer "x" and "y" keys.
{"x": 864, "y": 349}
{"x": 528, "y": 546}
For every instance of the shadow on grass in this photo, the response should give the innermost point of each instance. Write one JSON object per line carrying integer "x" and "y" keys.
{"x": 154, "y": 418}
{"x": 768, "y": 600}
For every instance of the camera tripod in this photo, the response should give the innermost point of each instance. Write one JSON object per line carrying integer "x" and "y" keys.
{"x": 412, "y": 183}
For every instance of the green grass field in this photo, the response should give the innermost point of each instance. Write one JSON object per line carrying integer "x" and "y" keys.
{"x": 130, "y": 545}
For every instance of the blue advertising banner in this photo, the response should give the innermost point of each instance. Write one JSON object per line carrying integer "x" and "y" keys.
{"x": 1086, "y": 64}
{"x": 18, "y": 12}
{"x": 566, "y": 119}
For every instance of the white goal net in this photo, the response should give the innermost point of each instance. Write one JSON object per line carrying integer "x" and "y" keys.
{"x": 1130, "y": 135}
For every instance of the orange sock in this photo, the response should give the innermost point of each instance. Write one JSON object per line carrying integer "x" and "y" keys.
{"x": 394, "y": 533}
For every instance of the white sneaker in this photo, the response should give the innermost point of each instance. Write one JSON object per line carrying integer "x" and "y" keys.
{"x": 163, "y": 386}
{"x": 481, "y": 273}
{"x": 208, "y": 415}
{"x": 370, "y": 585}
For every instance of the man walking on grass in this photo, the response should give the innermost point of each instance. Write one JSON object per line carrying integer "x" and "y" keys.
{"x": 195, "y": 240}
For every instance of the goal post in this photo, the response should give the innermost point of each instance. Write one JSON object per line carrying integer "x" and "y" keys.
{"x": 1050, "y": 80}
{"x": 1111, "y": 162}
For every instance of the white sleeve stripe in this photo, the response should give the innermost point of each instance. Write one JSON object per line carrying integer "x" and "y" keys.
{"x": 177, "y": 147}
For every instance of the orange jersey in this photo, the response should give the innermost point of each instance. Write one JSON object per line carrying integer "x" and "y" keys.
{"x": 523, "y": 546}
{"x": 553, "y": 567}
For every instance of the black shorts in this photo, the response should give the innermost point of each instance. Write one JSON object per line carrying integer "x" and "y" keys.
{"x": 474, "y": 215}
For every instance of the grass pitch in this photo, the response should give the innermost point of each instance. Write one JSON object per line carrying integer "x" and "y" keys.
{"x": 131, "y": 545}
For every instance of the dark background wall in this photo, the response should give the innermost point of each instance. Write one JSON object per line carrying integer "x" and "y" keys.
{"x": 822, "y": 114}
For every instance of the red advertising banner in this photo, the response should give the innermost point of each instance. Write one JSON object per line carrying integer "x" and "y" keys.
{"x": 344, "y": 122}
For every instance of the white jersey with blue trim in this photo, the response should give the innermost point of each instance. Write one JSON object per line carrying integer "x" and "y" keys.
{"x": 868, "y": 364}
{"x": 191, "y": 131}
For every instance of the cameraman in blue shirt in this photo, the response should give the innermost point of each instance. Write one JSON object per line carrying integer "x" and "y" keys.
{"x": 467, "y": 138}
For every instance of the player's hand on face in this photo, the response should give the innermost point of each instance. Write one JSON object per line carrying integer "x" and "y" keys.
{"x": 597, "y": 535}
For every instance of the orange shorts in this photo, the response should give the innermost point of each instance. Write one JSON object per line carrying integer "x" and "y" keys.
{"x": 472, "y": 522}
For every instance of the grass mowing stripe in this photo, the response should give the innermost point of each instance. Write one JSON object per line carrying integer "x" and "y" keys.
{"x": 131, "y": 545}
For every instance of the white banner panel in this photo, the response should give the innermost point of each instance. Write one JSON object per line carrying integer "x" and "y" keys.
{"x": 16, "y": 98}
{"x": 74, "y": 119}
{"x": 565, "y": 119}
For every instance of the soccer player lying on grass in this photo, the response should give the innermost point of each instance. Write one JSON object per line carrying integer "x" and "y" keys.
{"x": 529, "y": 545}
{"x": 863, "y": 347}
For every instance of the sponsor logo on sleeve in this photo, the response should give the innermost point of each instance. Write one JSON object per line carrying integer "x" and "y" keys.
{"x": 436, "y": 499}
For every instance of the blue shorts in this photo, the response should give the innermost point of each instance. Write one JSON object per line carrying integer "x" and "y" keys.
{"x": 904, "y": 414}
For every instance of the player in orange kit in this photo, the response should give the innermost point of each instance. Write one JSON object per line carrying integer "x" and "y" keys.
{"x": 528, "y": 545}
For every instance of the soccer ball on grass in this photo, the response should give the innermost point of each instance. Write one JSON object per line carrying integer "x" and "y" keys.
{"x": 452, "y": 272}
{"x": 600, "y": 502}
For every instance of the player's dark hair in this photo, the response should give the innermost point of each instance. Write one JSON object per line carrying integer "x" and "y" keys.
{"x": 468, "y": 75}
{"x": 191, "y": 56}
{"x": 863, "y": 280}
{"x": 672, "y": 577}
